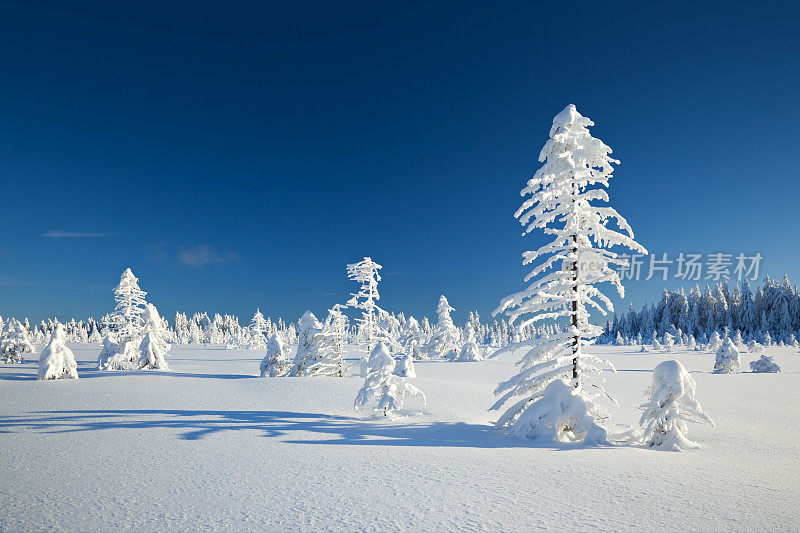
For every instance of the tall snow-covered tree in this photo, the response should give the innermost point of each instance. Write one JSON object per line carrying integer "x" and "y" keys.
{"x": 127, "y": 315}
{"x": 561, "y": 203}
{"x": 56, "y": 360}
{"x": 370, "y": 326}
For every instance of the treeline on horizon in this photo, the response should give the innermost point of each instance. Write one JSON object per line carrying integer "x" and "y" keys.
{"x": 770, "y": 315}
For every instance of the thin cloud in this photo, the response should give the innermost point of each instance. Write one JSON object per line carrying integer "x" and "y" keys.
{"x": 61, "y": 234}
{"x": 205, "y": 254}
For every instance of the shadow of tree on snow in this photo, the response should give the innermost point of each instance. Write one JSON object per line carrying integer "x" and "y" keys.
{"x": 291, "y": 427}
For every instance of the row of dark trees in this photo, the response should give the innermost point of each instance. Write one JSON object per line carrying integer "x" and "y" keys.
{"x": 773, "y": 312}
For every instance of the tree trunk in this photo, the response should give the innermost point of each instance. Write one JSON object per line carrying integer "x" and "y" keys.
{"x": 576, "y": 339}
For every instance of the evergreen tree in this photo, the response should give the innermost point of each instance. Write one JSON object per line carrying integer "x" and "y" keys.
{"x": 127, "y": 316}
{"x": 576, "y": 169}
{"x": 56, "y": 360}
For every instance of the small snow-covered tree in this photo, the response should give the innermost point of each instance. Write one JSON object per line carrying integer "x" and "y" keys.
{"x": 127, "y": 316}
{"x": 412, "y": 339}
{"x": 307, "y": 328}
{"x": 715, "y": 342}
{"x": 56, "y": 360}
{"x": 444, "y": 339}
{"x": 470, "y": 350}
{"x": 258, "y": 330}
{"x": 670, "y": 404}
{"x": 765, "y": 365}
{"x": 153, "y": 347}
{"x": 727, "y": 361}
{"x": 370, "y": 326}
{"x": 323, "y": 355}
{"x": 14, "y": 342}
{"x": 276, "y": 363}
{"x": 382, "y": 384}
{"x": 112, "y": 356}
{"x": 558, "y": 378}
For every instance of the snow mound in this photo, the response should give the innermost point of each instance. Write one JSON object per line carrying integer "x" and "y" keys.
{"x": 561, "y": 413}
{"x": 765, "y": 365}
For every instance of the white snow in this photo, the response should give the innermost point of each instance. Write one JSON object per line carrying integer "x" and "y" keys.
{"x": 211, "y": 445}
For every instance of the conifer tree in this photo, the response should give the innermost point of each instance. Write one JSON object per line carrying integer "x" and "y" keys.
{"x": 56, "y": 360}
{"x": 14, "y": 342}
{"x": 553, "y": 376}
{"x": 127, "y": 315}
{"x": 276, "y": 363}
{"x": 444, "y": 340}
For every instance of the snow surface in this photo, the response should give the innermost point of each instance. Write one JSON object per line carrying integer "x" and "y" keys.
{"x": 210, "y": 445}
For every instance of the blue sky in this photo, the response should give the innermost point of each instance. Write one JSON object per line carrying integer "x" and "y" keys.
{"x": 237, "y": 156}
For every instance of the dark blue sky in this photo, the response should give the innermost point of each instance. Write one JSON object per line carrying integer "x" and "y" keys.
{"x": 237, "y": 155}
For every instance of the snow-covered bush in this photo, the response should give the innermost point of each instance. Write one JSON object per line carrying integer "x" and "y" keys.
{"x": 56, "y": 360}
{"x": 382, "y": 384}
{"x": 727, "y": 361}
{"x": 754, "y": 346}
{"x": 14, "y": 342}
{"x": 406, "y": 367}
{"x": 276, "y": 362}
{"x": 670, "y": 404}
{"x": 576, "y": 170}
{"x": 765, "y": 365}
{"x": 560, "y": 412}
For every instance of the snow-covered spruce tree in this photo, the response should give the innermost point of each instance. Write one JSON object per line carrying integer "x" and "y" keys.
{"x": 558, "y": 378}
{"x": 412, "y": 339}
{"x": 110, "y": 357}
{"x": 56, "y": 360}
{"x": 382, "y": 384}
{"x": 444, "y": 339}
{"x": 670, "y": 404}
{"x": 727, "y": 361}
{"x": 325, "y": 353}
{"x": 470, "y": 351}
{"x": 153, "y": 347}
{"x": 127, "y": 316}
{"x": 258, "y": 330}
{"x": 366, "y": 272}
{"x": 764, "y": 365}
{"x": 276, "y": 363}
{"x": 14, "y": 342}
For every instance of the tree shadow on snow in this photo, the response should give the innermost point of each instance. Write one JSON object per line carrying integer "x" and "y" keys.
{"x": 290, "y": 427}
